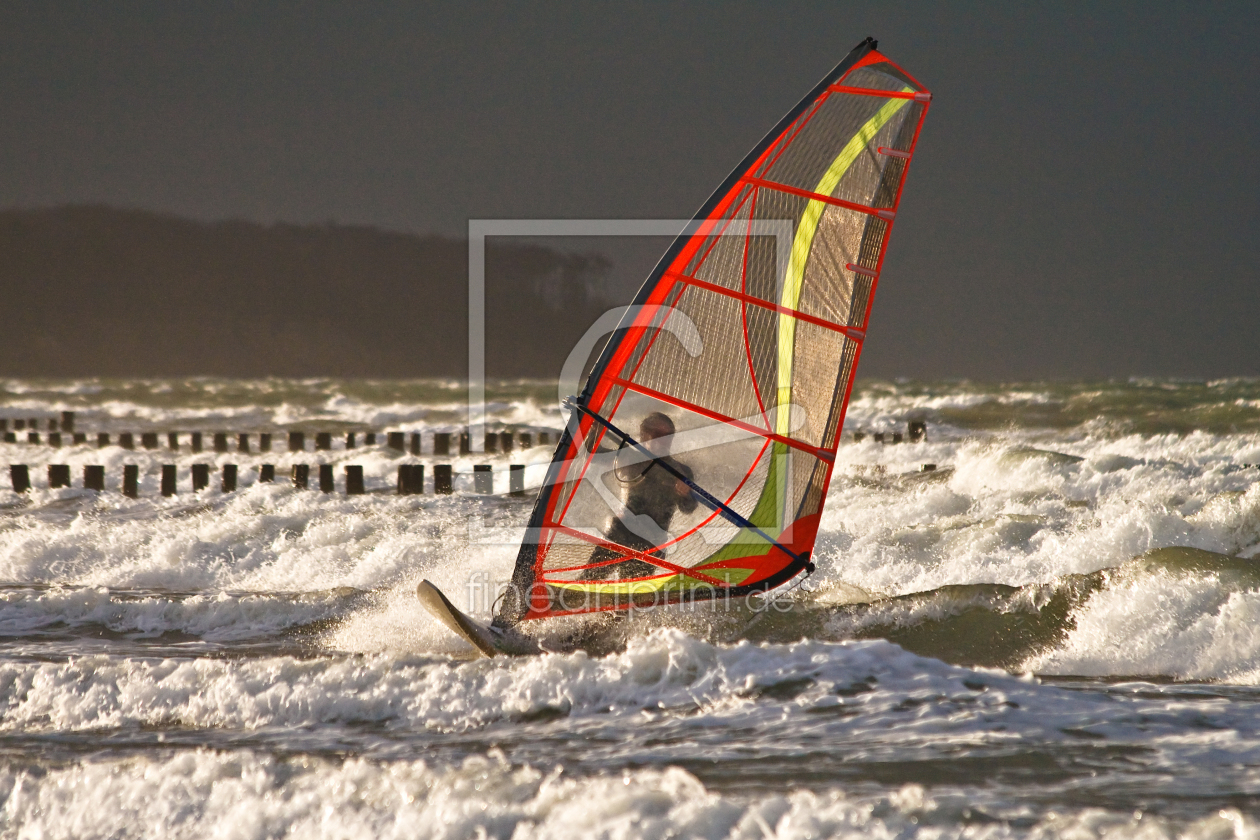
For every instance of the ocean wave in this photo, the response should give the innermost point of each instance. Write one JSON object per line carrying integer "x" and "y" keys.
{"x": 1176, "y": 612}
{"x": 666, "y": 671}
{"x": 244, "y": 794}
{"x": 223, "y": 617}
{"x": 208, "y": 404}
{"x": 1180, "y": 613}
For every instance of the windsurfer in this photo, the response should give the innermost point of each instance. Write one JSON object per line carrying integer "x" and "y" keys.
{"x": 653, "y": 496}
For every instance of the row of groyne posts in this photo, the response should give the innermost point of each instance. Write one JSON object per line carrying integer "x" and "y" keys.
{"x": 916, "y": 432}
{"x": 411, "y": 477}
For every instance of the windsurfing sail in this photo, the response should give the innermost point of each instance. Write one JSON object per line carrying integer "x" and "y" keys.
{"x": 746, "y": 339}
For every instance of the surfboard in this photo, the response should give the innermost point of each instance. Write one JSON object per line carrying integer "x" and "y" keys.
{"x": 486, "y": 639}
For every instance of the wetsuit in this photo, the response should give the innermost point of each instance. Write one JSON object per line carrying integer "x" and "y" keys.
{"x": 654, "y": 494}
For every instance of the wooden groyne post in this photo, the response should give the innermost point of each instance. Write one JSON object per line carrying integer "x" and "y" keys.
{"x": 354, "y": 480}
{"x": 58, "y": 476}
{"x": 131, "y": 480}
{"x": 411, "y": 479}
{"x": 20, "y": 475}
{"x": 94, "y": 478}
{"x": 443, "y": 479}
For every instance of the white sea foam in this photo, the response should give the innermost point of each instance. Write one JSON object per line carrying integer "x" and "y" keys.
{"x": 243, "y": 794}
{"x": 666, "y": 670}
{"x": 1190, "y": 628}
{"x": 1007, "y": 515}
{"x": 780, "y": 697}
{"x": 265, "y": 538}
{"x": 1004, "y": 507}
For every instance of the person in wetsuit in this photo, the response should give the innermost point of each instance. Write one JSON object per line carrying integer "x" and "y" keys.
{"x": 653, "y": 494}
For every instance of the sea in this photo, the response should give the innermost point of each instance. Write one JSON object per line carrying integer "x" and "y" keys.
{"x": 1041, "y": 621}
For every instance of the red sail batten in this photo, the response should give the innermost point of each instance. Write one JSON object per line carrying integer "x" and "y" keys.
{"x": 813, "y": 196}
{"x": 821, "y": 454}
{"x": 849, "y": 332}
{"x": 917, "y": 96}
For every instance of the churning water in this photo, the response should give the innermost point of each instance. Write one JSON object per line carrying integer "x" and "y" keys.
{"x": 1056, "y": 632}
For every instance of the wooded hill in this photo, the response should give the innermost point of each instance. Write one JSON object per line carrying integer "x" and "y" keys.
{"x": 99, "y": 291}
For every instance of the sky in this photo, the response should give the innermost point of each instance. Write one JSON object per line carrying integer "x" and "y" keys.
{"x": 1082, "y": 203}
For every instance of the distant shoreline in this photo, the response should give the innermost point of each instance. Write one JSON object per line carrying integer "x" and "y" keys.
{"x": 101, "y": 291}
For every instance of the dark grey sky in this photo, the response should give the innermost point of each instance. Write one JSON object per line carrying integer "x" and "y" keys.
{"x": 1083, "y": 202}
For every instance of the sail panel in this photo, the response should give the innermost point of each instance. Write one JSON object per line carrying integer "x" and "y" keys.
{"x": 719, "y": 257}
{"x": 744, "y": 340}
{"x": 827, "y": 290}
{"x": 817, "y": 358}
{"x": 720, "y": 360}
{"x": 805, "y": 163}
{"x": 871, "y": 167}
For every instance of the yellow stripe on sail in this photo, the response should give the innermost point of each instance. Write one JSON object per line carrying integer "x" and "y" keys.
{"x": 804, "y": 241}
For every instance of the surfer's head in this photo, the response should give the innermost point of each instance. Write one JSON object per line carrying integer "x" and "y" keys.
{"x": 657, "y": 427}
